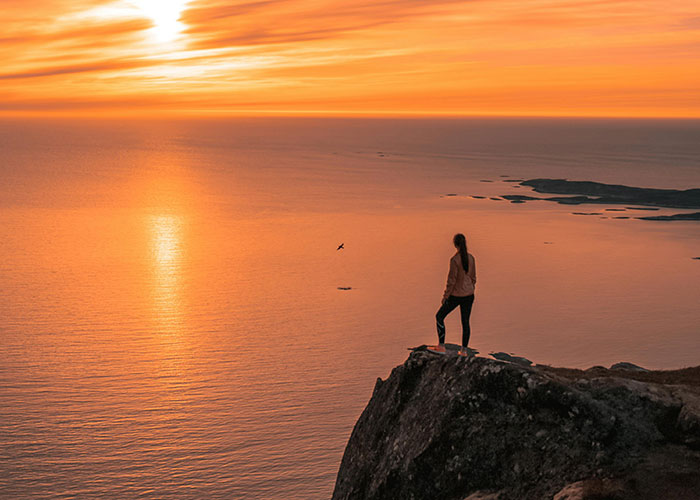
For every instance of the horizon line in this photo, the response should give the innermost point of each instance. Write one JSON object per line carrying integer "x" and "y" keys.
{"x": 208, "y": 113}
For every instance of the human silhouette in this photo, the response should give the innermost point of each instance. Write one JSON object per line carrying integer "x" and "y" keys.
{"x": 459, "y": 291}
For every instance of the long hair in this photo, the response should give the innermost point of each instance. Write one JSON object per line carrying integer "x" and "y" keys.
{"x": 461, "y": 244}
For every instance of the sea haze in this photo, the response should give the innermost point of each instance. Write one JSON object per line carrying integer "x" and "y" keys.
{"x": 171, "y": 325}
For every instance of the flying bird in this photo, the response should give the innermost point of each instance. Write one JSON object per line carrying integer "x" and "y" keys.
{"x": 340, "y": 247}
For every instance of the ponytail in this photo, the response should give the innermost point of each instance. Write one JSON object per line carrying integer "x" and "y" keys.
{"x": 461, "y": 243}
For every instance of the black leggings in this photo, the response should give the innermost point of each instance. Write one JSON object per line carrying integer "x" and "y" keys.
{"x": 465, "y": 308}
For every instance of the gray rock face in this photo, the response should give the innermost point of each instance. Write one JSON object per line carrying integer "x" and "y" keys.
{"x": 504, "y": 356}
{"x": 444, "y": 427}
{"x": 624, "y": 365}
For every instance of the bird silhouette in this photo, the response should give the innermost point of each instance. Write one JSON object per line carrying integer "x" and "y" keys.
{"x": 340, "y": 247}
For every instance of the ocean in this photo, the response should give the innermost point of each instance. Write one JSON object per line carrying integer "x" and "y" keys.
{"x": 171, "y": 323}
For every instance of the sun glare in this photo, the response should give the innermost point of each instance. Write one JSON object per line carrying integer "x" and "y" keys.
{"x": 166, "y": 249}
{"x": 165, "y": 15}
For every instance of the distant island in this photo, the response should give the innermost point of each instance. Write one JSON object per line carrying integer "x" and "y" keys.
{"x": 588, "y": 192}
{"x": 459, "y": 428}
{"x": 616, "y": 194}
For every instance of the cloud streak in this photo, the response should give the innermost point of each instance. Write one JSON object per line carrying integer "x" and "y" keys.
{"x": 82, "y": 68}
{"x": 479, "y": 56}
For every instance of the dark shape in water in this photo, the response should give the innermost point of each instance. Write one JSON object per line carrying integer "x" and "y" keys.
{"x": 651, "y": 209}
{"x": 618, "y": 194}
{"x": 496, "y": 199}
{"x": 485, "y": 180}
{"x": 451, "y": 194}
{"x": 696, "y": 258}
{"x": 586, "y": 213}
{"x": 478, "y": 197}
{"x": 614, "y": 209}
{"x": 675, "y": 217}
{"x": 518, "y": 197}
{"x": 344, "y": 288}
{"x": 620, "y": 217}
{"x": 512, "y": 180}
{"x": 569, "y": 200}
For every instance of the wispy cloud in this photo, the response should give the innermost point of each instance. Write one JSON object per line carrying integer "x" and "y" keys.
{"x": 476, "y": 56}
{"x": 80, "y": 68}
{"x": 77, "y": 35}
{"x": 288, "y": 21}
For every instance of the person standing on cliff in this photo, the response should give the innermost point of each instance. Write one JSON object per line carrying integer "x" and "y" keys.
{"x": 461, "y": 281}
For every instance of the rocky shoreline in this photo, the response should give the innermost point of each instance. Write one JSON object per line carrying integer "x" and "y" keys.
{"x": 598, "y": 193}
{"x": 455, "y": 428}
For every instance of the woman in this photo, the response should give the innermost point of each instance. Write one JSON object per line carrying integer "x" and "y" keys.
{"x": 459, "y": 291}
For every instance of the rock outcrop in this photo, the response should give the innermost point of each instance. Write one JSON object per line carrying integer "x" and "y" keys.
{"x": 669, "y": 218}
{"x": 615, "y": 193}
{"x": 449, "y": 427}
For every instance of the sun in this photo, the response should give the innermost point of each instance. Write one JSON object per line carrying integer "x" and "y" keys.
{"x": 165, "y": 15}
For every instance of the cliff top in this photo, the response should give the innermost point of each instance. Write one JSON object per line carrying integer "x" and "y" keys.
{"x": 451, "y": 427}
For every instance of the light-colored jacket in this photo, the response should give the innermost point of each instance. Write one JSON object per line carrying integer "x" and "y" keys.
{"x": 460, "y": 283}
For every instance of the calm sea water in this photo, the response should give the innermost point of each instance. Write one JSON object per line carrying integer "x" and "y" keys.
{"x": 170, "y": 323}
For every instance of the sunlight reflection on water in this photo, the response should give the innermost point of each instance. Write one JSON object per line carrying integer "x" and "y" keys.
{"x": 166, "y": 239}
{"x": 171, "y": 326}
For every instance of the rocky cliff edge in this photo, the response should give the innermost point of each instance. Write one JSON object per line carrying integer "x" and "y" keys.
{"x": 449, "y": 427}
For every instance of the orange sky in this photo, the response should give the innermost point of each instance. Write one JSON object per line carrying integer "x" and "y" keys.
{"x": 502, "y": 57}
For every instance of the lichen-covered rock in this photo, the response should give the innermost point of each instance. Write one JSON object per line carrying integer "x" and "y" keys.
{"x": 443, "y": 427}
